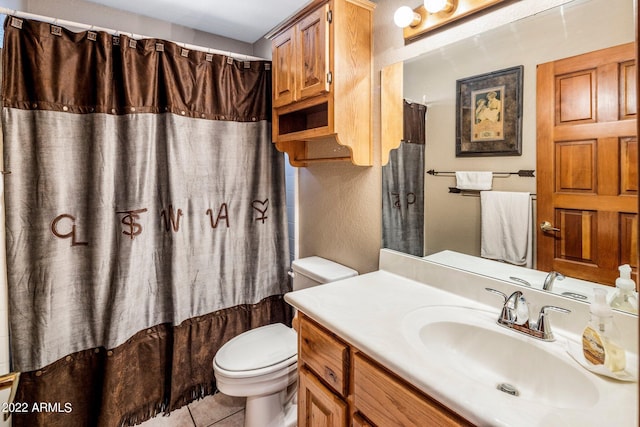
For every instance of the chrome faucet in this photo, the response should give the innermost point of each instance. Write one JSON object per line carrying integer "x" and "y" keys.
{"x": 515, "y": 315}
{"x": 551, "y": 277}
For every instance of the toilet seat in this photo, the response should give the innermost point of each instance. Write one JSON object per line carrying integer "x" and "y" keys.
{"x": 257, "y": 352}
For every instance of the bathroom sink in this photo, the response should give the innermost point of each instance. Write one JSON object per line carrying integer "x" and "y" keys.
{"x": 468, "y": 344}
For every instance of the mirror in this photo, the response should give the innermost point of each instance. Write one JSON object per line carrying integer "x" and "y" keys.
{"x": 452, "y": 221}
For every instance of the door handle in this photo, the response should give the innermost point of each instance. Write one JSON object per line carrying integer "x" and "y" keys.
{"x": 547, "y": 227}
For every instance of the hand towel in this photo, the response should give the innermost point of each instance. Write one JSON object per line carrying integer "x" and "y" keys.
{"x": 466, "y": 180}
{"x": 506, "y": 227}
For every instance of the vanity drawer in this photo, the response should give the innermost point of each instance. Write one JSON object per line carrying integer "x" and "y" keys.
{"x": 387, "y": 400}
{"x": 325, "y": 355}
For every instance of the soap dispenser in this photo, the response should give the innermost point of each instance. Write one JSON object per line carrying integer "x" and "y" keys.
{"x": 601, "y": 336}
{"x": 624, "y": 297}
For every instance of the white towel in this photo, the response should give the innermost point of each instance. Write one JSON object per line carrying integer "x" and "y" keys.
{"x": 466, "y": 180}
{"x": 507, "y": 233}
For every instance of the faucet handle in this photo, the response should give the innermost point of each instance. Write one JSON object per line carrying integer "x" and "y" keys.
{"x": 497, "y": 292}
{"x": 543, "y": 325}
{"x": 515, "y": 309}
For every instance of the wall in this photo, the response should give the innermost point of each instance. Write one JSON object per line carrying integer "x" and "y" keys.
{"x": 340, "y": 204}
{"x": 453, "y": 221}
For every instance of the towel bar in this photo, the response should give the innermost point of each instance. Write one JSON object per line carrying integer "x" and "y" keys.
{"x": 476, "y": 193}
{"x": 522, "y": 173}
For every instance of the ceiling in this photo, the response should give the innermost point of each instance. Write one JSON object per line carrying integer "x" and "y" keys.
{"x": 244, "y": 20}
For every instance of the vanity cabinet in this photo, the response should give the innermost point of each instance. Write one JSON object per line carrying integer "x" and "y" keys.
{"x": 322, "y": 83}
{"x": 341, "y": 386}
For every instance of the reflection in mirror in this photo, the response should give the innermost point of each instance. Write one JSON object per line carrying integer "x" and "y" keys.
{"x": 570, "y": 287}
{"x": 403, "y": 186}
{"x": 452, "y": 221}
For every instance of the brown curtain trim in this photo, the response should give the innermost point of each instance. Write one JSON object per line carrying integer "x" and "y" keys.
{"x": 156, "y": 371}
{"x": 414, "y": 123}
{"x": 51, "y": 68}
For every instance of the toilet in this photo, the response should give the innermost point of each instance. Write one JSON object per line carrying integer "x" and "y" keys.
{"x": 261, "y": 364}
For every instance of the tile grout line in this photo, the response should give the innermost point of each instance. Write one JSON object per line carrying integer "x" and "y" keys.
{"x": 193, "y": 420}
{"x": 222, "y": 419}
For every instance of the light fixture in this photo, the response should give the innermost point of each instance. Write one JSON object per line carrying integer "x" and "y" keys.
{"x": 435, "y": 14}
{"x": 406, "y": 17}
{"x": 435, "y": 6}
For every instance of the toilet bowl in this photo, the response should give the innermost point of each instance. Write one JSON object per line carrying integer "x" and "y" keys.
{"x": 261, "y": 364}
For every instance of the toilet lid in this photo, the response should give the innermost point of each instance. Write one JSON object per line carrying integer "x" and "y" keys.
{"x": 258, "y": 348}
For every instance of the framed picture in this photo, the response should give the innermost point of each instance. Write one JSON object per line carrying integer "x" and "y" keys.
{"x": 489, "y": 114}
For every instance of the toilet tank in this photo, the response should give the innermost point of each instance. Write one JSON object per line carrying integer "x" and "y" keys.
{"x": 314, "y": 270}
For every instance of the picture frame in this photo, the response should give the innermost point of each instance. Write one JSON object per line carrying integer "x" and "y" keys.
{"x": 489, "y": 114}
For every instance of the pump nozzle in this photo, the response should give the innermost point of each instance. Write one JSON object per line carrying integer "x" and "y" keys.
{"x": 599, "y": 306}
{"x": 625, "y": 271}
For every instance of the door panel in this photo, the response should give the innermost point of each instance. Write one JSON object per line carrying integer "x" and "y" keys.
{"x": 587, "y": 162}
{"x": 628, "y": 82}
{"x": 575, "y": 166}
{"x": 313, "y": 54}
{"x": 576, "y": 97}
{"x": 628, "y": 168}
{"x": 284, "y": 77}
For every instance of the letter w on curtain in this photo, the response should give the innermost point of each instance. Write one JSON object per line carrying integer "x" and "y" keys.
{"x": 146, "y": 220}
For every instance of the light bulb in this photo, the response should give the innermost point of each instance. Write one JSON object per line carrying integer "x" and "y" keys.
{"x": 405, "y": 16}
{"x": 435, "y": 6}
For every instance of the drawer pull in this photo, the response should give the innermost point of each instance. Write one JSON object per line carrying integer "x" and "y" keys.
{"x": 329, "y": 374}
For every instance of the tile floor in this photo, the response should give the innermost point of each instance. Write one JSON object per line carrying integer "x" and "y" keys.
{"x": 218, "y": 410}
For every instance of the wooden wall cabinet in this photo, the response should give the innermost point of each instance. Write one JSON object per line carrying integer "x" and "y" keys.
{"x": 322, "y": 82}
{"x": 340, "y": 386}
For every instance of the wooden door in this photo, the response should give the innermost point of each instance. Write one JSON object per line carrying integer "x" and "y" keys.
{"x": 283, "y": 53}
{"x": 317, "y": 405}
{"x": 587, "y": 164}
{"x": 313, "y": 54}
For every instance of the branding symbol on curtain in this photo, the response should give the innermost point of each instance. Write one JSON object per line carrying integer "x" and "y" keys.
{"x": 130, "y": 220}
{"x": 171, "y": 218}
{"x": 71, "y": 234}
{"x": 261, "y": 207}
{"x": 222, "y": 214}
{"x": 397, "y": 199}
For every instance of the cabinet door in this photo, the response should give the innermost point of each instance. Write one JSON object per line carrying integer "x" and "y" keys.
{"x": 317, "y": 405}
{"x": 283, "y": 52}
{"x": 313, "y": 54}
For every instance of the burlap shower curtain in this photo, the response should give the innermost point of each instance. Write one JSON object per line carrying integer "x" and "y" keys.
{"x": 145, "y": 220}
{"x": 403, "y": 186}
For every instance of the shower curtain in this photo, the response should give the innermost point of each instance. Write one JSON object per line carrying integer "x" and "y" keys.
{"x": 403, "y": 186}
{"x": 145, "y": 220}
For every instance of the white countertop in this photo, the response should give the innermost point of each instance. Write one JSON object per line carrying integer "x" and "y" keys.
{"x": 367, "y": 312}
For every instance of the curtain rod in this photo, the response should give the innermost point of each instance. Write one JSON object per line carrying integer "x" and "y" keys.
{"x": 65, "y": 23}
